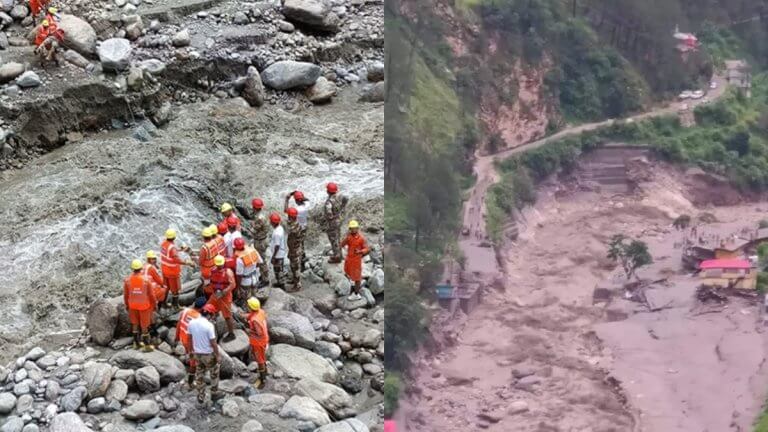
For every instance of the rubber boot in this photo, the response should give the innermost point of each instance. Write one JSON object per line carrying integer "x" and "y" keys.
{"x": 175, "y": 302}
{"x": 146, "y": 345}
{"x": 334, "y": 260}
{"x": 261, "y": 381}
{"x": 191, "y": 381}
{"x": 136, "y": 341}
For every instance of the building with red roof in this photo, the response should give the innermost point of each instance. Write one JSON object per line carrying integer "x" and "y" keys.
{"x": 728, "y": 273}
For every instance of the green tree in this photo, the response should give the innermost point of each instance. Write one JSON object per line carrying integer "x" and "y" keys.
{"x": 392, "y": 389}
{"x": 631, "y": 254}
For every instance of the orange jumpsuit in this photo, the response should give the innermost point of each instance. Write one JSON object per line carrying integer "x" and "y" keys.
{"x": 207, "y": 254}
{"x": 45, "y": 32}
{"x": 170, "y": 264}
{"x": 36, "y": 6}
{"x": 222, "y": 280}
{"x": 356, "y": 249}
{"x": 258, "y": 335}
{"x": 151, "y": 274}
{"x": 138, "y": 298}
{"x": 182, "y": 332}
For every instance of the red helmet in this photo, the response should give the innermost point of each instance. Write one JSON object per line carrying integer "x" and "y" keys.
{"x": 274, "y": 218}
{"x": 332, "y": 188}
{"x": 209, "y": 308}
{"x": 298, "y": 196}
{"x": 257, "y": 203}
{"x": 239, "y": 243}
{"x": 222, "y": 227}
{"x": 232, "y": 221}
{"x": 292, "y": 213}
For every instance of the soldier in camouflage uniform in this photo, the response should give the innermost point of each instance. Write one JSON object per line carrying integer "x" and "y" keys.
{"x": 334, "y": 207}
{"x": 260, "y": 231}
{"x": 295, "y": 247}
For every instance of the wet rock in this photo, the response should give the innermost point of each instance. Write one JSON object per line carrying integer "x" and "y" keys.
{"x": 286, "y": 26}
{"x": 78, "y": 34}
{"x": 285, "y": 75}
{"x": 117, "y": 390}
{"x": 332, "y": 398}
{"x": 9, "y": 71}
{"x": 240, "y": 18}
{"x": 376, "y": 282}
{"x": 147, "y": 379}
{"x": 12, "y": 424}
{"x": 153, "y": 66}
{"x": 21, "y": 388}
{"x": 34, "y": 354}
{"x": 19, "y": 12}
{"x": 68, "y": 422}
{"x": 234, "y": 386}
{"x": 71, "y": 401}
{"x": 299, "y": 326}
{"x": 96, "y": 405}
{"x": 181, "y": 39}
{"x": 97, "y": 377}
{"x": 348, "y": 425}
{"x": 252, "y": 426}
{"x": 229, "y": 408}
{"x": 170, "y": 368}
{"x": 141, "y": 410}
{"x": 20, "y": 375}
{"x": 238, "y": 346}
{"x": 374, "y": 93}
{"x": 328, "y": 349}
{"x": 24, "y": 403}
{"x": 267, "y": 402}
{"x": 7, "y": 403}
{"x": 322, "y": 91}
{"x": 300, "y": 363}
{"x": 115, "y": 54}
{"x": 351, "y": 377}
{"x": 78, "y": 60}
{"x": 372, "y": 369}
{"x": 312, "y": 13}
{"x": 28, "y": 79}
{"x": 253, "y": 88}
{"x": 52, "y": 391}
{"x": 47, "y": 361}
{"x": 305, "y": 409}
{"x": 375, "y": 72}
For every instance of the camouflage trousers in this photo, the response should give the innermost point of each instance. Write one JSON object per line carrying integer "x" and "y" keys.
{"x": 277, "y": 267}
{"x": 295, "y": 256}
{"x": 261, "y": 247}
{"x": 206, "y": 363}
{"x": 333, "y": 238}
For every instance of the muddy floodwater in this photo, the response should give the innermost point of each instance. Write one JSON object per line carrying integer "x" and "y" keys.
{"x": 72, "y": 219}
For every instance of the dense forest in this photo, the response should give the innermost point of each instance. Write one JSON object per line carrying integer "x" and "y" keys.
{"x": 599, "y": 58}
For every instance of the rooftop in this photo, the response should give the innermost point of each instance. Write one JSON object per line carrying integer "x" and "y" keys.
{"x": 725, "y": 264}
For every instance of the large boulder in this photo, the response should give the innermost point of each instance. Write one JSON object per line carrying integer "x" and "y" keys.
{"x": 238, "y": 346}
{"x": 7, "y": 403}
{"x": 332, "y": 398}
{"x": 253, "y": 88}
{"x": 78, "y": 34}
{"x": 97, "y": 377}
{"x": 348, "y": 425}
{"x": 170, "y": 368}
{"x": 305, "y": 409}
{"x": 9, "y": 71}
{"x": 68, "y": 422}
{"x": 300, "y": 363}
{"x": 71, "y": 401}
{"x": 141, "y": 410}
{"x": 299, "y": 326}
{"x": 12, "y": 424}
{"x": 313, "y": 13}
{"x": 115, "y": 54}
{"x": 148, "y": 379}
{"x": 376, "y": 282}
{"x": 288, "y": 74}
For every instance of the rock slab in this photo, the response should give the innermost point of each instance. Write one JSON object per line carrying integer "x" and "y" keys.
{"x": 300, "y": 363}
{"x": 170, "y": 368}
{"x": 288, "y": 74}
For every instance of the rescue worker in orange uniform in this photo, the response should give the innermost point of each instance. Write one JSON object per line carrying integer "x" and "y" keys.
{"x": 139, "y": 298}
{"x": 221, "y": 242}
{"x": 37, "y": 6}
{"x": 258, "y": 336}
{"x": 207, "y": 253}
{"x": 246, "y": 269}
{"x": 227, "y": 210}
{"x": 182, "y": 335}
{"x": 47, "y": 41}
{"x": 233, "y": 222}
{"x": 160, "y": 291}
{"x": 357, "y": 248}
{"x": 170, "y": 264}
{"x": 222, "y": 285}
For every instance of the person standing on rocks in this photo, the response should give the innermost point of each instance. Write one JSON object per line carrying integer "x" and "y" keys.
{"x": 206, "y": 352}
{"x": 139, "y": 298}
{"x": 205, "y": 259}
{"x": 260, "y": 230}
{"x": 357, "y": 248}
{"x": 246, "y": 269}
{"x": 233, "y": 224}
{"x": 182, "y": 334}
{"x": 159, "y": 290}
{"x": 295, "y": 234}
{"x": 258, "y": 336}
{"x": 277, "y": 246}
{"x": 170, "y": 265}
{"x": 227, "y": 210}
{"x": 221, "y": 243}
{"x": 303, "y": 217}
{"x": 222, "y": 285}
{"x": 334, "y": 206}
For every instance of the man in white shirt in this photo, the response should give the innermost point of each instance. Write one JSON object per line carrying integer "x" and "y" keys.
{"x": 278, "y": 248}
{"x": 302, "y": 208}
{"x": 206, "y": 352}
{"x": 232, "y": 234}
